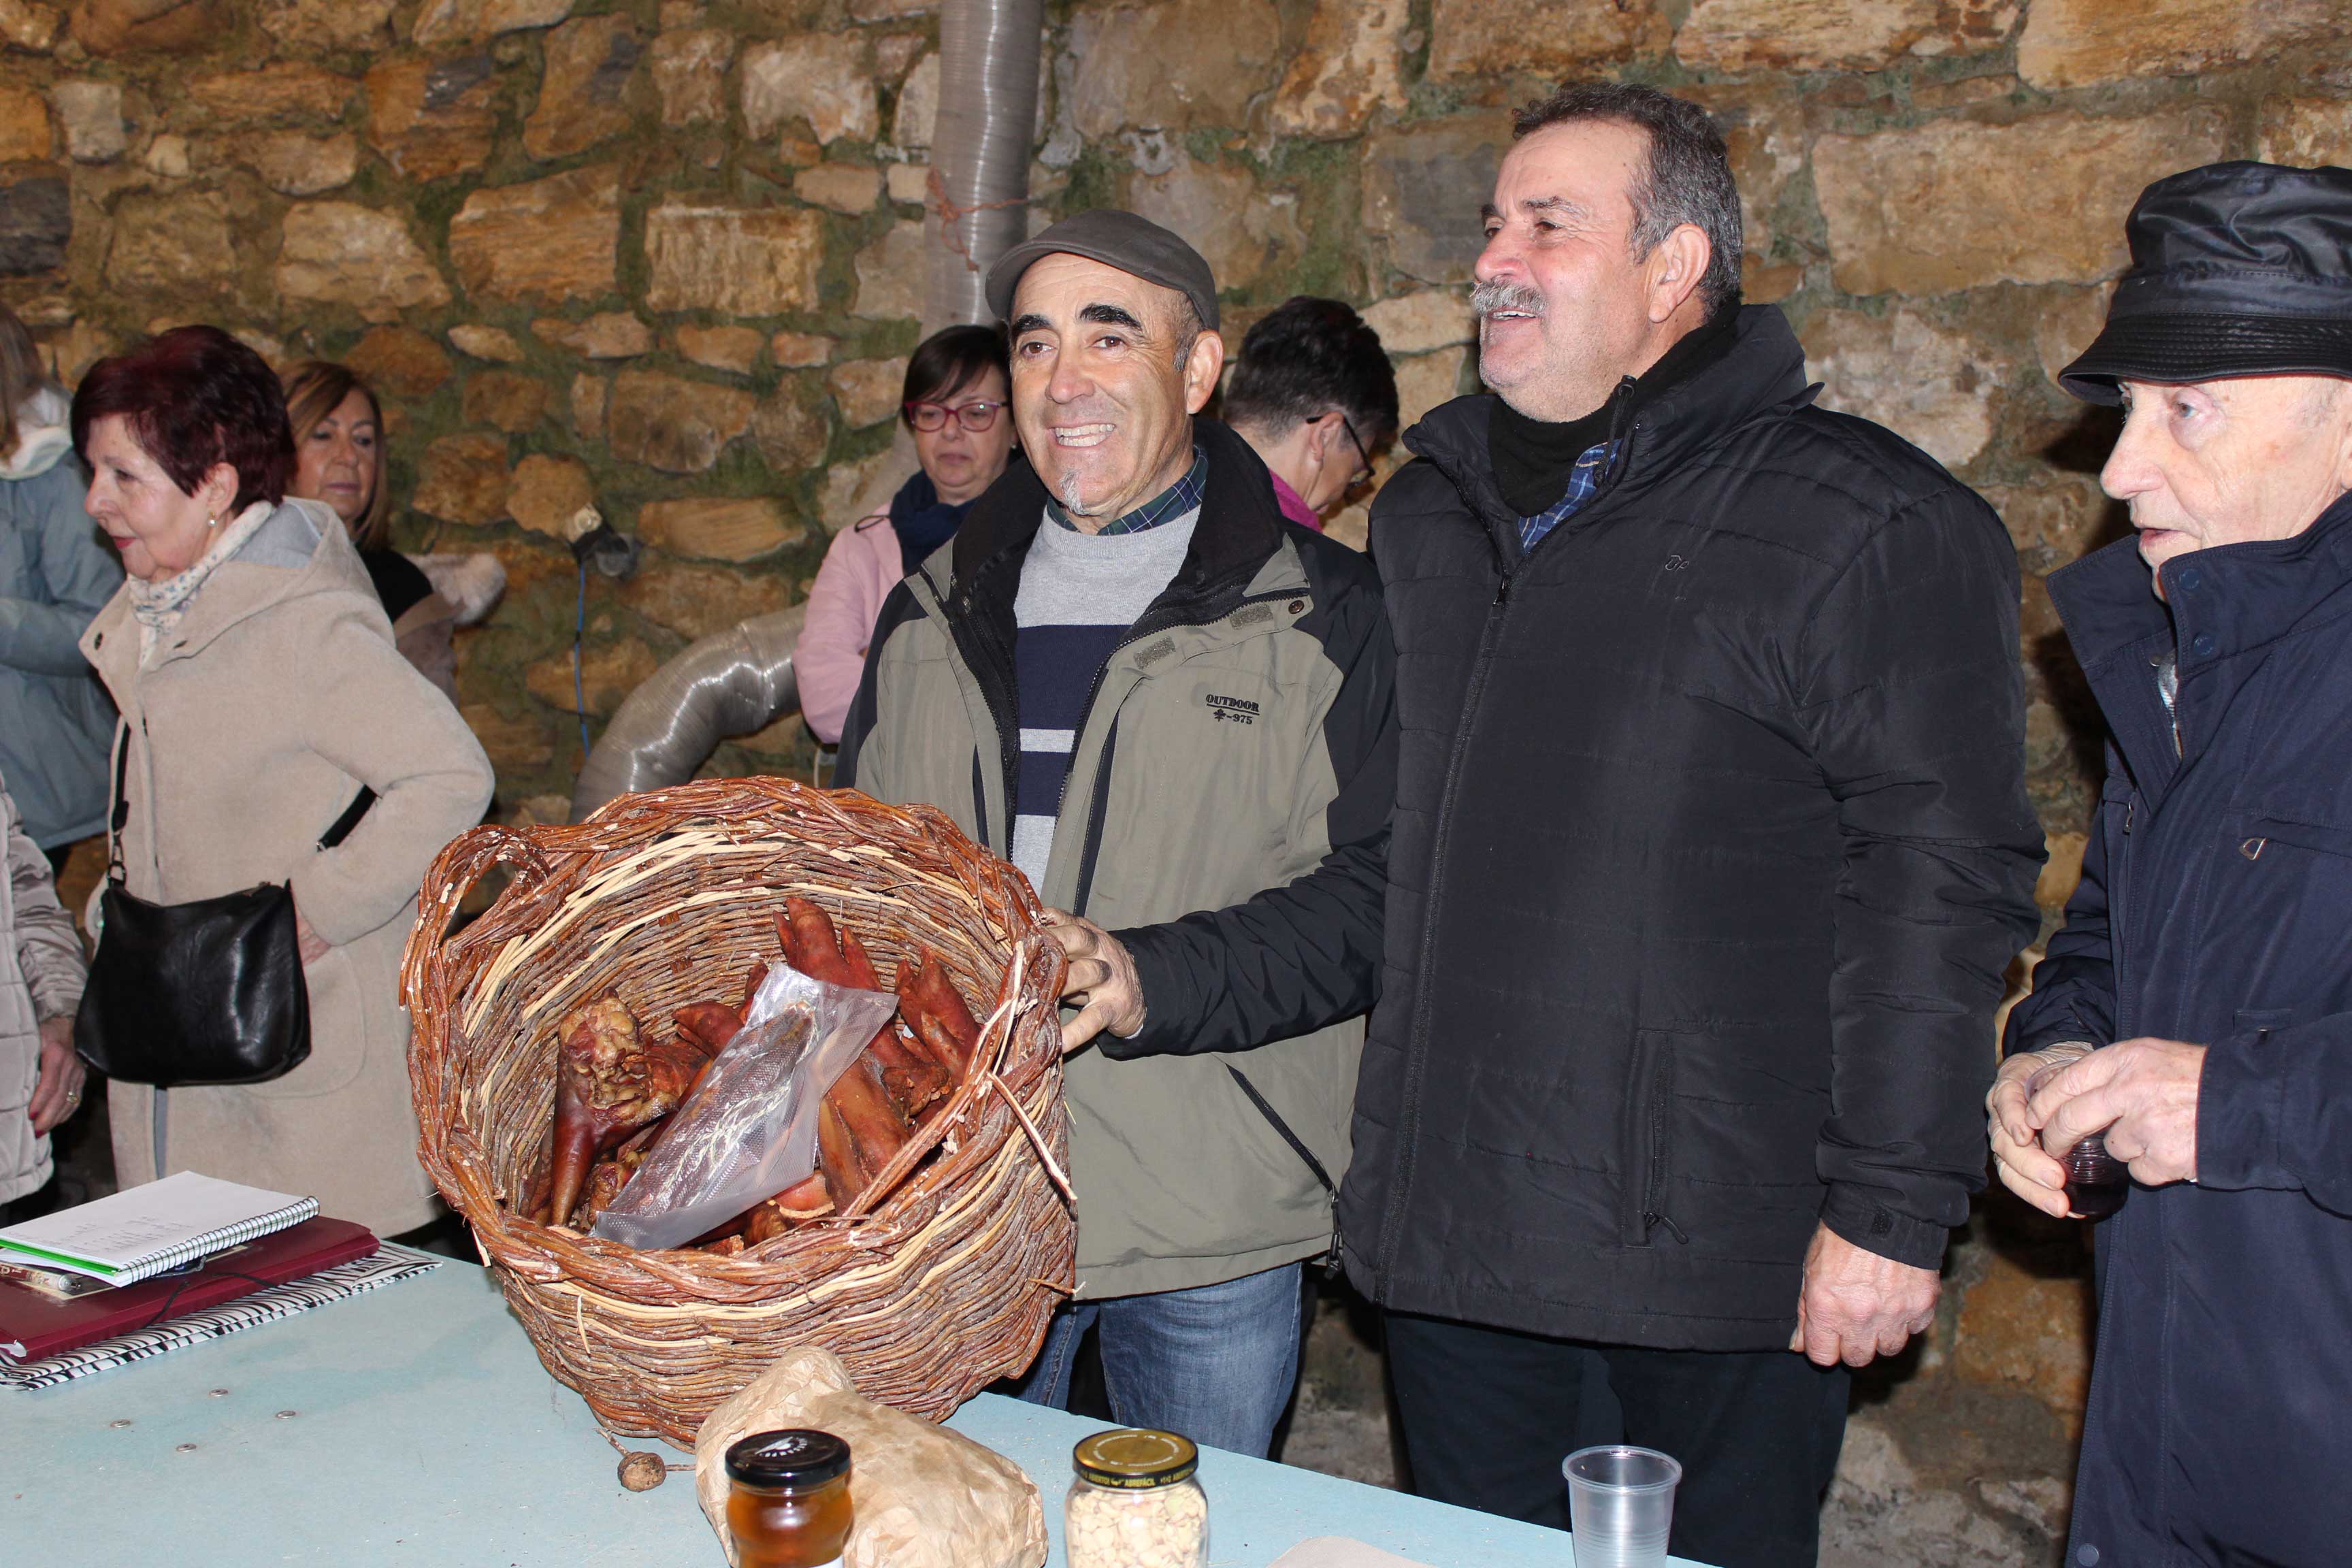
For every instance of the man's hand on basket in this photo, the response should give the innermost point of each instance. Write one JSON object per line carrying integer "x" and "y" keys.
{"x": 1102, "y": 982}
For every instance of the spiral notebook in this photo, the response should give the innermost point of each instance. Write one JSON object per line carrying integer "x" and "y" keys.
{"x": 150, "y": 1230}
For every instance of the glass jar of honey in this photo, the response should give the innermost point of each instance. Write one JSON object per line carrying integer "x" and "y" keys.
{"x": 788, "y": 1499}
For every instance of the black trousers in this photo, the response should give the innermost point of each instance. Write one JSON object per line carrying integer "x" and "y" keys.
{"x": 1489, "y": 1414}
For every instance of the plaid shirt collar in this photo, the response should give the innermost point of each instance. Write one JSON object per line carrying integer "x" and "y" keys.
{"x": 1583, "y": 481}
{"x": 1173, "y": 503}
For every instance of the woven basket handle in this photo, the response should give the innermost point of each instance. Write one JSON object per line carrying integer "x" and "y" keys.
{"x": 467, "y": 859}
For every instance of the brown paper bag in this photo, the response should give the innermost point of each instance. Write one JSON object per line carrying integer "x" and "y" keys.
{"x": 924, "y": 1497}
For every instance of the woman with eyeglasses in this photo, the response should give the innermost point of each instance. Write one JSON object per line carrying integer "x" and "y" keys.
{"x": 1314, "y": 396}
{"x": 954, "y": 403}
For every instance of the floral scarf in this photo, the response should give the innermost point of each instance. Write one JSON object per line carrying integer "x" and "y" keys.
{"x": 158, "y": 605}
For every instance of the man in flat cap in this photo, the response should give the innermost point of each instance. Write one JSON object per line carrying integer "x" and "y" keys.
{"x": 1171, "y": 709}
{"x": 2195, "y": 1010}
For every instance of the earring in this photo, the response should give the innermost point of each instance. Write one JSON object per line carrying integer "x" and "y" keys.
{"x": 212, "y": 522}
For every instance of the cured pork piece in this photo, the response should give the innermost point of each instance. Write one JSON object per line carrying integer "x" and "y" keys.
{"x": 610, "y": 1082}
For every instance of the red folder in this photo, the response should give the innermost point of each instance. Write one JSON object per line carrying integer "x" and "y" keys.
{"x": 33, "y": 1326}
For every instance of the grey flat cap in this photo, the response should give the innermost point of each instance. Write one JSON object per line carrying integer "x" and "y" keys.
{"x": 1133, "y": 245}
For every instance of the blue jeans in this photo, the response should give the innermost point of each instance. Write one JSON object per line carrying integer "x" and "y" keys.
{"x": 1216, "y": 1363}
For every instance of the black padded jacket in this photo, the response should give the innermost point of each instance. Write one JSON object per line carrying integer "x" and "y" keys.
{"x": 1711, "y": 846}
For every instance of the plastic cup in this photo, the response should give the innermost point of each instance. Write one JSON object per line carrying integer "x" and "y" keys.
{"x": 1620, "y": 1505}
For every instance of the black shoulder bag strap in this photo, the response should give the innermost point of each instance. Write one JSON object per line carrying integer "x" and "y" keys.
{"x": 158, "y": 1100}
{"x": 341, "y": 829}
{"x": 121, "y": 814}
{"x": 336, "y": 831}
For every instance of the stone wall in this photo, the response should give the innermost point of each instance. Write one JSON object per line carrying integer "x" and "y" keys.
{"x": 666, "y": 255}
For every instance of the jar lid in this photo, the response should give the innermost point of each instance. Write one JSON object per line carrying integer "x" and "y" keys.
{"x": 1135, "y": 1457}
{"x": 794, "y": 1457}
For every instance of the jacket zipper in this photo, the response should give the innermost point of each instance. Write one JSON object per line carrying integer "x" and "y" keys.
{"x": 978, "y": 798}
{"x": 2118, "y": 906}
{"x": 1093, "y": 847}
{"x": 1653, "y": 1214}
{"x": 1417, "y": 1045}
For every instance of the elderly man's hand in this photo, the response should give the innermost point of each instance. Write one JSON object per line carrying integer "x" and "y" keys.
{"x": 2142, "y": 1093}
{"x": 56, "y": 1092}
{"x": 2026, "y": 1168}
{"x": 1102, "y": 982}
{"x": 1855, "y": 1305}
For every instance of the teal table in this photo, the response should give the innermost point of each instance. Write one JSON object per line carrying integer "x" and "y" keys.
{"x": 413, "y": 1425}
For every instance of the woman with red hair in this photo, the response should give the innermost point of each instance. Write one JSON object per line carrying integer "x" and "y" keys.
{"x": 260, "y": 693}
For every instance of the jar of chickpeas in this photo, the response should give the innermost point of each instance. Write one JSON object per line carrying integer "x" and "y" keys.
{"x": 1134, "y": 1503}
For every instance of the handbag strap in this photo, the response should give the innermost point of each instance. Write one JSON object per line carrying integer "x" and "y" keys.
{"x": 342, "y": 826}
{"x": 121, "y": 814}
{"x": 336, "y": 831}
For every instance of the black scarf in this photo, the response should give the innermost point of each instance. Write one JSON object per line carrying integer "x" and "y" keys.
{"x": 922, "y": 520}
{"x": 1532, "y": 458}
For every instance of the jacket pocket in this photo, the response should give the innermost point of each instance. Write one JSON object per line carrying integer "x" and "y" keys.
{"x": 2321, "y": 837}
{"x": 1645, "y": 1138}
{"x": 2278, "y": 915}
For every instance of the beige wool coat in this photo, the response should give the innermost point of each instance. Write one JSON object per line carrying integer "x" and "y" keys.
{"x": 251, "y": 728}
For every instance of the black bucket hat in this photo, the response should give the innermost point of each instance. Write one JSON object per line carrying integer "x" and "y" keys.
{"x": 2237, "y": 268}
{"x": 1121, "y": 239}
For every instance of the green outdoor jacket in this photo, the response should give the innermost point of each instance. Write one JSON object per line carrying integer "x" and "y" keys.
{"x": 1232, "y": 783}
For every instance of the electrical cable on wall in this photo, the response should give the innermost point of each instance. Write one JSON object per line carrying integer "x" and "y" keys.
{"x": 579, "y": 684}
{"x": 594, "y": 542}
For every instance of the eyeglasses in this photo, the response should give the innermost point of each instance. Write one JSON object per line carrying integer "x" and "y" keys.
{"x": 974, "y": 417}
{"x": 1363, "y": 473}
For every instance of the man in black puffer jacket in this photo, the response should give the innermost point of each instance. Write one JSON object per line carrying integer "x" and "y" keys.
{"x": 1711, "y": 846}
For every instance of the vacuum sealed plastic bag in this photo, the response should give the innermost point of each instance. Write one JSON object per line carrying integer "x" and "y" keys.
{"x": 749, "y": 1129}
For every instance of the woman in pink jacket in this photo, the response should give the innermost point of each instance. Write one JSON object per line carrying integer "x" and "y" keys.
{"x": 954, "y": 403}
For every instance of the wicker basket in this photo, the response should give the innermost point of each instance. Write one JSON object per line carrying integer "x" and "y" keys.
{"x": 668, "y": 896}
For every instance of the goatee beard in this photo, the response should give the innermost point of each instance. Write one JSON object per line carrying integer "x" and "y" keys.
{"x": 1071, "y": 502}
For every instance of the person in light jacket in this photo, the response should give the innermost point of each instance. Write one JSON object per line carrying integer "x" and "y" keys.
{"x": 954, "y": 404}
{"x": 41, "y": 970}
{"x": 54, "y": 574}
{"x": 260, "y": 692}
{"x": 1171, "y": 710}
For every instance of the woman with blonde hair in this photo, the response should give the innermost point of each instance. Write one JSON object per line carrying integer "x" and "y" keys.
{"x": 55, "y": 573}
{"x": 339, "y": 459}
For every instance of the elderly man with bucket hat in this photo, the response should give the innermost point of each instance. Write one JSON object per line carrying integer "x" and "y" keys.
{"x": 1172, "y": 709}
{"x": 2195, "y": 1011}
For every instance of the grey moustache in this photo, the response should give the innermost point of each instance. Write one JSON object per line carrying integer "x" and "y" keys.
{"x": 1489, "y": 298}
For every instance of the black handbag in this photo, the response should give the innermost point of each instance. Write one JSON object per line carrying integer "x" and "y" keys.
{"x": 207, "y": 992}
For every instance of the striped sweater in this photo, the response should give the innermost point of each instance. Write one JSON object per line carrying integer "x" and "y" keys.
{"x": 1079, "y": 595}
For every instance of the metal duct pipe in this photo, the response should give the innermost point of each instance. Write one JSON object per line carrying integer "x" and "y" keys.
{"x": 989, "y": 52}
{"x": 738, "y": 681}
{"x": 731, "y": 683}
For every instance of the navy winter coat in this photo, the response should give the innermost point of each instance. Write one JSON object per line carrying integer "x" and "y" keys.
{"x": 2216, "y": 907}
{"x": 1711, "y": 844}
